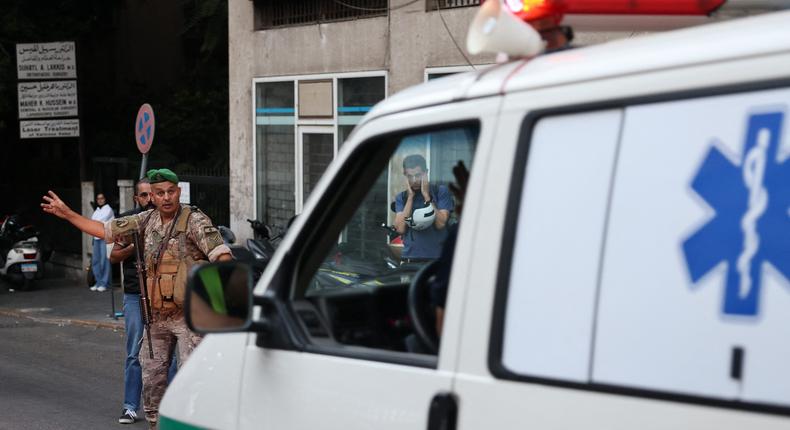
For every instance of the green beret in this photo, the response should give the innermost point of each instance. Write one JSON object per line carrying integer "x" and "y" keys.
{"x": 162, "y": 175}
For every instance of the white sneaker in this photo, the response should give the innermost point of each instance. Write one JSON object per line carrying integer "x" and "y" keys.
{"x": 101, "y": 289}
{"x": 94, "y": 288}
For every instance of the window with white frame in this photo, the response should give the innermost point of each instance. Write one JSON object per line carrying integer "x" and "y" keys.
{"x": 432, "y": 73}
{"x": 300, "y": 122}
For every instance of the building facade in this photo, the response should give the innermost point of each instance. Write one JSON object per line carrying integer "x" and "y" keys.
{"x": 304, "y": 72}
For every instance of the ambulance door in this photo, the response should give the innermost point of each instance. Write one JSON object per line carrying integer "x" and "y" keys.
{"x": 694, "y": 301}
{"x": 551, "y": 193}
{"x": 345, "y": 351}
{"x": 644, "y": 274}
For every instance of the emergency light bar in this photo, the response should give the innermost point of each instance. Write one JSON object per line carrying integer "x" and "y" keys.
{"x": 516, "y": 27}
{"x": 533, "y": 10}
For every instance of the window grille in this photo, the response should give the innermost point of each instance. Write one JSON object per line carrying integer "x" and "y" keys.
{"x": 284, "y": 13}
{"x": 449, "y": 4}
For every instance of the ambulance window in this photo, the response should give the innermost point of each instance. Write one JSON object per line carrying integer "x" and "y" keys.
{"x": 556, "y": 252}
{"x": 398, "y": 227}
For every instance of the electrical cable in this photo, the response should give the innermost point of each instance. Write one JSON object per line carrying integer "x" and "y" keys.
{"x": 375, "y": 9}
{"x": 439, "y": 10}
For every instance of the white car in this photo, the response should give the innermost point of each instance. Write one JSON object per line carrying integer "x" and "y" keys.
{"x": 622, "y": 260}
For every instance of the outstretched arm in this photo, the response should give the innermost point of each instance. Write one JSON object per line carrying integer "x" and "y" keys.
{"x": 55, "y": 206}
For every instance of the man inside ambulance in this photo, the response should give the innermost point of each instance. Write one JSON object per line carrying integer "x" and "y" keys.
{"x": 422, "y": 212}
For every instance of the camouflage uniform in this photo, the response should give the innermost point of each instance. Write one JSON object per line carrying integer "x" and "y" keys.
{"x": 193, "y": 240}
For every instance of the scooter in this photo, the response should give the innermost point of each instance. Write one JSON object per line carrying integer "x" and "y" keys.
{"x": 348, "y": 266}
{"x": 257, "y": 254}
{"x": 345, "y": 267}
{"x": 20, "y": 255}
{"x": 265, "y": 241}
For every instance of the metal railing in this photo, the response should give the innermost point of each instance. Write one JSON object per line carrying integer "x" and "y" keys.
{"x": 284, "y": 13}
{"x": 209, "y": 190}
{"x": 449, "y": 4}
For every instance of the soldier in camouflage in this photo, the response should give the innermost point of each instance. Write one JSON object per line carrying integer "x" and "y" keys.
{"x": 176, "y": 237}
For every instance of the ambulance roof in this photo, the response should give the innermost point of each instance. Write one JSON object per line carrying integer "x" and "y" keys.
{"x": 753, "y": 36}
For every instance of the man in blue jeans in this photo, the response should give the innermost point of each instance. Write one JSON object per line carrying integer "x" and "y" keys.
{"x": 132, "y": 377}
{"x": 132, "y": 317}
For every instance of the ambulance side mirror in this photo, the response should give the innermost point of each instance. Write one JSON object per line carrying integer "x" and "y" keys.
{"x": 219, "y": 298}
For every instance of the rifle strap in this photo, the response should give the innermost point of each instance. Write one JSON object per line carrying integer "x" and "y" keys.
{"x": 142, "y": 227}
{"x": 183, "y": 220}
{"x": 165, "y": 240}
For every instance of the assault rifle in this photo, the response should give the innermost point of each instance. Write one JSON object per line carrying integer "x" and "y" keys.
{"x": 145, "y": 301}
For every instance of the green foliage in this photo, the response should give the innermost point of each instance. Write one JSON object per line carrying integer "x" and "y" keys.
{"x": 185, "y": 79}
{"x": 191, "y": 110}
{"x": 195, "y": 114}
{"x": 208, "y": 18}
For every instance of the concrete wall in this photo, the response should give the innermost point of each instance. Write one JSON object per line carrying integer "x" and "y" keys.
{"x": 87, "y": 211}
{"x": 241, "y": 64}
{"x": 404, "y": 44}
{"x": 421, "y": 40}
{"x": 325, "y": 48}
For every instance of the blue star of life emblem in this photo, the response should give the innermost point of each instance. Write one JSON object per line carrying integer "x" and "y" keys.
{"x": 751, "y": 225}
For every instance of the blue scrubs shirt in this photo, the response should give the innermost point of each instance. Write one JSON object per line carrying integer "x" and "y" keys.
{"x": 425, "y": 243}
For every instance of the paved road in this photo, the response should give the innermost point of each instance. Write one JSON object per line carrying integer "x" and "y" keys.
{"x": 60, "y": 377}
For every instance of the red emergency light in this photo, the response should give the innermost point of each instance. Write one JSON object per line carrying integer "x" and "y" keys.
{"x": 536, "y": 10}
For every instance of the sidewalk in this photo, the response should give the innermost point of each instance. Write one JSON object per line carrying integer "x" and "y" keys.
{"x": 62, "y": 301}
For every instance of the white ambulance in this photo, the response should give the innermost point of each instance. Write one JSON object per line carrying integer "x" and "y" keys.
{"x": 622, "y": 259}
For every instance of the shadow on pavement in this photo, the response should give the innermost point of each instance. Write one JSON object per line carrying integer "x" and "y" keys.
{"x": 62, "y": 301}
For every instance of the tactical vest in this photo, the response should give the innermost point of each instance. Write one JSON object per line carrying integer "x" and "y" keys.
{"x": 170, "y": 266}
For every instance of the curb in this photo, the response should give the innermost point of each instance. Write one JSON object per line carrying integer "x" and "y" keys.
{"x": 64, "y": 321}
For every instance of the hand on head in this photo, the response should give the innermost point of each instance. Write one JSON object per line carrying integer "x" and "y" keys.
{"x": 409, "y": 190}
{"x": 425, "y": 187}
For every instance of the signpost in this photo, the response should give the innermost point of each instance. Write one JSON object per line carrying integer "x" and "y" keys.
{"x": 53, "y": 94}
{"x": 49, "y": 128}
{"x": 56, "y": 60}
{"x": 47, "y": 99}
{"x": 185, "y": 195}
{"x": 144, "y": 127}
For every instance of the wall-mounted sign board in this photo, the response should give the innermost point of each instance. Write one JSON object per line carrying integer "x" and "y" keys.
{"x": 56, "y": 60}
{"x": 49, "y": 128}
{"x": 47, "y": 99}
